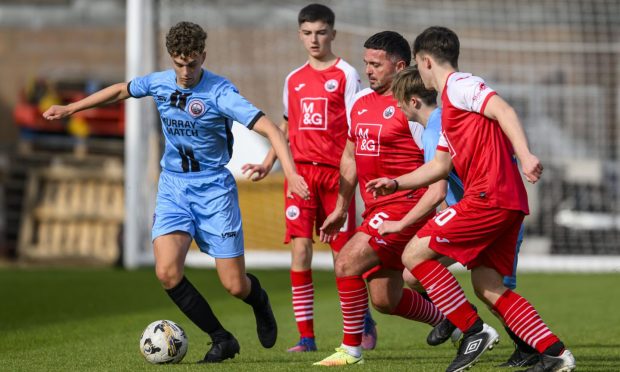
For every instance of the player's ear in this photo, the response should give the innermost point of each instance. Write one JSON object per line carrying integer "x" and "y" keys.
{"x": 417, "y": 103}
{"x": 333, "y": 35}
{"x": 400, "y": 65}
{"x": 427, "y": 61}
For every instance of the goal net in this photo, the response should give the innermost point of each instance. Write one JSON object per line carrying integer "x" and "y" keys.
{"x": 556, "y": 61}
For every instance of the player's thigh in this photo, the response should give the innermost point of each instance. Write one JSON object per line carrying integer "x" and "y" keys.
{"x": 170, "y": 251}
{"x": 356, "y": 257}
{"x": 418, "y": 251}
{"x": 231, "y": 272}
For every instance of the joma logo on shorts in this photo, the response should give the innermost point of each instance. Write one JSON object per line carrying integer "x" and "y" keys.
{"x": 230, "y": 234}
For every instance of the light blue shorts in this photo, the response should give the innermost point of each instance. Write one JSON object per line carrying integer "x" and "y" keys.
{"x": 204, "y": 205}
{"x": 511, "y": 281}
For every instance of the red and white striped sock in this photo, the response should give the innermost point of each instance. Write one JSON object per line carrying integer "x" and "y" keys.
{"x": 415, "y": 307}
{"x": 446, "y": 293}
{"x": 354, "y": 304}
{"x": 522, "y": 319}
{"x": 303, "y": 301}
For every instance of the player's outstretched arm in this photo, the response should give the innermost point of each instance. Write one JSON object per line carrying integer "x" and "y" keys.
{"x": 500, "y": 110}
{"x": 435, "y": 194}
{"x": 296, "y": 183}
{"x": 348, "y": 180}
{"x": 433, "y": 171}
{"x": 257, "y": 172}
{"x": 107, "y": 95}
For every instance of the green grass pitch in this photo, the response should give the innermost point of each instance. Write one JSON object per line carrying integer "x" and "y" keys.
{"x": 91, "y": 320}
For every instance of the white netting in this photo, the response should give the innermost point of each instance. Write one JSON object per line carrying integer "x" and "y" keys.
{"x": 555, "y": 61}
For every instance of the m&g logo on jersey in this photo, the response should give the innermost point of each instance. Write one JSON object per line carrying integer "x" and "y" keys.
{"x": 196, "y": 107}
{"x": 313, "y": 114}
{"x": 368, "y": 139}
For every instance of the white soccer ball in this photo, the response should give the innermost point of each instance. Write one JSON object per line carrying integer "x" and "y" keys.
{"x": 163, "y": 341}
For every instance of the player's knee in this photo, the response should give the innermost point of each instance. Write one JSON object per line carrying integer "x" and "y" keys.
{"x": 487, "y": 295}
{"x": 302, "y": 257}
{"x": 168, "y": 276}
{"x": 236, "y": 288}
{"x": 342, "y": 267}
{"x": 479, "y": 293}
{"x": 382, "y": 305}
{"x": 410, "y": 280}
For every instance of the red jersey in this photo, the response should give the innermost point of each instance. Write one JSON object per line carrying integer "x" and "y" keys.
{"x": 386, "y": 143}
{"x": 481, "y": 153}
{"x": 315, "y": 104}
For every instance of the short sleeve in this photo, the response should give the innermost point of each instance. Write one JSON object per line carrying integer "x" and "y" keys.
{"x": 442, "y": 144}
{"x": 469, "y": 93}
{"x": 234, "y": 106}
{"x": 285, "y": 98}
{"x": 416, "y": 130}
{"x": 430, "y": 139}
{"x": 140, "y": 86}
{"x": 352, "y": 86}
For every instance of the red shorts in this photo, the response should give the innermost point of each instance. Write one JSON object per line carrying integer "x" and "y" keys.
{"x": 304, "y": 215}
{"x": 390, "y": 247}
{"x": 475, "y": 235}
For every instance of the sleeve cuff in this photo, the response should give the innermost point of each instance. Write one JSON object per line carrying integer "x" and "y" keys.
{"x": 486, "y": 100}
{"x": 129, "y": 89}
{"x": 253, "y": 121}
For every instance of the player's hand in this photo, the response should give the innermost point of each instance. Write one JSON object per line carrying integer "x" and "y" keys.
{"x": 255, "y": 172}
{"x": 381, "y": 186}
{"x": 332, "y": 225}
{"x": 532, "y": 168}
{"x": 56, "y": 112}
{"x": 390, "y": 227}
{"x": 297, "y": 185}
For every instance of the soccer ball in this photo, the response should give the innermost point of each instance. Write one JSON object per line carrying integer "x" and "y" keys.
{"x": 163, "y": 341}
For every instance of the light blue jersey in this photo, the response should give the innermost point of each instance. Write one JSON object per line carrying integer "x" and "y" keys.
{"x": 430, "y": 138}
{"x": 196, "y": 122}
{"x": 196, "y": 193}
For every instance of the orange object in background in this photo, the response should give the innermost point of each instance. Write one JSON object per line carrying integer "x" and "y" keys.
{"x": 107, "y": 121}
